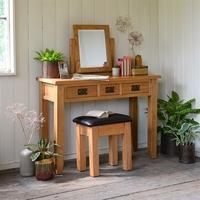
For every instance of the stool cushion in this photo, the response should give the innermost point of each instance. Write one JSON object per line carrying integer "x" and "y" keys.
{"x": 94, "y": 121}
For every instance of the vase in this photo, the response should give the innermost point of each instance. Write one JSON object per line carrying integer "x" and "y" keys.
{"x": 138, "y": 60}
{"x": 26, "y": 165}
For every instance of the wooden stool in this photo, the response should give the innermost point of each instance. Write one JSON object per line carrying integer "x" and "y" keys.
{"x": 92, "y": 127}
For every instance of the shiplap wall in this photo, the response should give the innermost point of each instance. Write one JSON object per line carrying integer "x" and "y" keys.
{"x": 48, "y": 23}
{"x": 179, "y": 49}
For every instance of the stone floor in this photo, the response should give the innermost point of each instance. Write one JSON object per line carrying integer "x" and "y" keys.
{"x": 162, "y": 178}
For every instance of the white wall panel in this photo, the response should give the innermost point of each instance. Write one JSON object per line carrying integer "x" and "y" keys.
{"x": 179, "y": 39}
{"x": 21, "y": 80}
{"x": 48, "y": 23}
{"x": 35, "y": 40}
{"x": 88, "y": 11}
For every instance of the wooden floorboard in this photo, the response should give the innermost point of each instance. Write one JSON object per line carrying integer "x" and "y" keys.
{"x": 162, "y": 178}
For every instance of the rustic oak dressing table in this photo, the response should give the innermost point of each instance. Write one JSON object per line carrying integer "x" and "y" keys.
{"x": 60, "y": 91}
{"x": 92, "y": 51}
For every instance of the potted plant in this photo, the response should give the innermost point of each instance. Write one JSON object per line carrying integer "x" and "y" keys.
{"x": 185, "y": 140}
{"x": 43, "y": 154}
{"x": 173, "y": 113}
{"x": 50, "y": 60}
{"x": 116, "y": 70}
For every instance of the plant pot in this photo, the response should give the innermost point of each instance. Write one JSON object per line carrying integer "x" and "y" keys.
{"x": 187, "y": 153}
{"x": 115, "y": 71}
{"x": 26, "y": 165}
{"x": 50, "y": 69}
{"x": 168, "y": 145}
{"x": 44, "y": 169}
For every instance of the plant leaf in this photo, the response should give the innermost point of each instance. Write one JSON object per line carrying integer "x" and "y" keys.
{"x": 35, "y": 156}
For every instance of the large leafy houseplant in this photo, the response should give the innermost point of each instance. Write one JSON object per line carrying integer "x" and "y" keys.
{"x": 185, "y": 139}
{"x": 172, "y": 113}
{"x": 50, "y": 59}
{"x": 186, "y": 134}
{"x": 43, "y": 154}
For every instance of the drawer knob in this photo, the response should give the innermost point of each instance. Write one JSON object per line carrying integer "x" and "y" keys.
{"x": 135, "y": 87}
{"x": 82, "y": 91}
{"x": 110, "y": 89}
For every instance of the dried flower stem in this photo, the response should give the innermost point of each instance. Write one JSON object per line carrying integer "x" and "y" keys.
{"x": 29, "y": 120}
{"x": 23, "y": 130}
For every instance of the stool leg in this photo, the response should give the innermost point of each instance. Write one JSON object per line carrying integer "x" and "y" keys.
{"x": 93, "y": 151}
{"x": 127, "y": 148}
{"x": 80, "y": 149}
{"x": 113, "y": 150}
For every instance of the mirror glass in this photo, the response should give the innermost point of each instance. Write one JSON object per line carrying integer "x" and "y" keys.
{"x": 92, "y": 46}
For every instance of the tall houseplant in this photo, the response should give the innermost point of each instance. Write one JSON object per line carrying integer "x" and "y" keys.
{"x": 173, "y": 113}
{"x": 50, "y": 60}
{"x": 185, "y": 139}
{"x": 43, "y": 154}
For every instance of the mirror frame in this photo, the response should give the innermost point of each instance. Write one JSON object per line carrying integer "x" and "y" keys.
{"x": 75, "y": 51}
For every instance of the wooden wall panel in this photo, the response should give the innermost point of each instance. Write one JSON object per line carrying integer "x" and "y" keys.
{"x": 179, "y": 61}
{"x": 35, "y": 40}
{"x": 75, "y": 11}
{"x": 21, "y": 80}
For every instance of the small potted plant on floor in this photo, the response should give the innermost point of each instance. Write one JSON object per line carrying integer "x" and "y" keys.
{"x": 173, "y": 113}
{"x": 185, "y": 139}
{"x": 50, "y": 60}
{"x": 43, "y": 155}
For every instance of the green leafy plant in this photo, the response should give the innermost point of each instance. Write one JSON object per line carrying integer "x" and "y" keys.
{"x": 186, "y": 134}
{"x": 49, "y": 55}
{"x": 116, "y": 66}
{"x": 174, "y": 112}
{"x": 44, "y": 149}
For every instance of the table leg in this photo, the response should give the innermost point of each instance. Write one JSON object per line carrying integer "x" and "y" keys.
{"x": 133, "y": 112}
{"x": 152, "y": 120}
{"x": 44, "y": 110}
{"x": 59, "y": 126}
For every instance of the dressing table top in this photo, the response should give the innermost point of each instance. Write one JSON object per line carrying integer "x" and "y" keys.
{"x": 58, "y": 81}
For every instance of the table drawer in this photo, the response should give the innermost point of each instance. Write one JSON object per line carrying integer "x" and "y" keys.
{"x": 135, "y": 87}
{"x": 108, "y": 89}
{"x": 81, "y": 92}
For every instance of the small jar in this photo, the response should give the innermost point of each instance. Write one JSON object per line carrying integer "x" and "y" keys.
{"x": 138, "y": 60}
{"x": 115, "y": 71}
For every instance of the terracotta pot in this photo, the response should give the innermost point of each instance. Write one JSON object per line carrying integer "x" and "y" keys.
{"x": 44, "y": 169}
{"x": 50, "y": 69}
{"x": 187, "y": 153}
{"x": 168, "y": 145}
